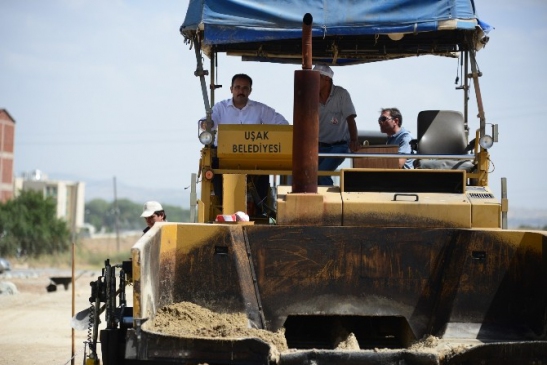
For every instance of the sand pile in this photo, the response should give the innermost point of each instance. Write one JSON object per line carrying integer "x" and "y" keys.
{"x": 187, "y": 319}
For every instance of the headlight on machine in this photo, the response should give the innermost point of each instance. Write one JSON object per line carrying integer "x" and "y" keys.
{"x": 486, "y": 141}
{"x": 206, "y": 138}
{"x": 205, "y": 132}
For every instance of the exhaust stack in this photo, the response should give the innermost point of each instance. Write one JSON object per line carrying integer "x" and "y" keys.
{"x": 305, "y": 118}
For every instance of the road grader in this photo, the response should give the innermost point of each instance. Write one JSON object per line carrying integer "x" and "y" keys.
{"x": 407, "y": 266}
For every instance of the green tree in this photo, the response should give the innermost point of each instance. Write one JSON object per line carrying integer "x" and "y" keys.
{"x": 129, "y": 215}
{"x": 527, "y": 226}
{"x": 29, "y": 226}
{"x": 176, "y": 214}
{"x": 95, "y": 213}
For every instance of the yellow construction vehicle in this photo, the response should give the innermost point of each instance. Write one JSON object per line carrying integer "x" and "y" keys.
{"x": 388, "y": 266}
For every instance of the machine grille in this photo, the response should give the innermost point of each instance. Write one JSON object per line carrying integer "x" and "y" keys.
{"x": 481, "y": 195}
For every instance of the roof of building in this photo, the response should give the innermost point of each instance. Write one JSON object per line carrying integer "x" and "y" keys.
{"x": 4, "y": 111}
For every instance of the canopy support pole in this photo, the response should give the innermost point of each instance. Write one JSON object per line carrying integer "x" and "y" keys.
{"x": 466, "y": 95}
{"x": 475, "y": 74}
{"x": 201, "y": 73}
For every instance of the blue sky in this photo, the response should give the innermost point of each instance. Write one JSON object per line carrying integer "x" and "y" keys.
{"x": 107, "y": 88}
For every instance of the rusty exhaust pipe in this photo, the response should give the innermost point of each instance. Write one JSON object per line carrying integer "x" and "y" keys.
{"x": 307, "y": 42}
{"x": 305, "y": 118}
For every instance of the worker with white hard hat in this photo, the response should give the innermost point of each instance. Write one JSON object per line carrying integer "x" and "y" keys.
{"x": 153, "y": 212}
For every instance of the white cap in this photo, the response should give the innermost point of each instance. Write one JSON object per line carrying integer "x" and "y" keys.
{"x": 150, "y": 208}
{"x": 324, "y": 70}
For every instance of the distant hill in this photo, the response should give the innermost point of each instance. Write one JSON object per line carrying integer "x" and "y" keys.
{"x": 517, "y": 217}
{"x": 104, "y": 190}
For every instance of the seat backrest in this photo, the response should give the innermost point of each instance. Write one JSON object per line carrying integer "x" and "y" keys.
{"x": 441, "y": 132}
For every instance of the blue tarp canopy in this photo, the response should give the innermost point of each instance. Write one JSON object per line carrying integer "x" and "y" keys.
{"x": 345, "y": 30}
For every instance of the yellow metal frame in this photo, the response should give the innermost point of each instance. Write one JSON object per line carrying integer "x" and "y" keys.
{"x": 482, "y": 161}
{"x": 255, "y": 146}
{"x": 236, "y": 161}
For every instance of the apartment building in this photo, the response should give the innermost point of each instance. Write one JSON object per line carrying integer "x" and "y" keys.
{"x": 68, "y": 195}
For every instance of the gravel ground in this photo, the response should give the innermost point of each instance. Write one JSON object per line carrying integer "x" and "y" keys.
{"x": 35, "y": 324}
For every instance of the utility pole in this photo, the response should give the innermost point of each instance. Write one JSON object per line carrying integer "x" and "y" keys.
{"x": 73, "y": 227}
{"x": 116, "y": 217}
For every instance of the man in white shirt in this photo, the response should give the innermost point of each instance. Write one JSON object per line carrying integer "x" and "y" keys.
{"x": 337, "y": 126}
{"x": 239, "y": 109}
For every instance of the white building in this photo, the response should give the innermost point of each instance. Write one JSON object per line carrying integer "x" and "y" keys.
{"x": 68, "y": 195}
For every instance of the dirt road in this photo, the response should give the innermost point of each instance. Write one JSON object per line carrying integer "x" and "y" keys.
{"x": 35, "y": 325}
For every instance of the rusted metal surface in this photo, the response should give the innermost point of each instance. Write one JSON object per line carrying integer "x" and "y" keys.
{"x": 488, "y": 354}
{"x": 305, "y": 131}
{"x": 390, "y": 287}
{"x": 163, "y": 349}
{"x": 305, "y": 118}
{"x": 307, "y": 41}
{"x": 430, "y": 277}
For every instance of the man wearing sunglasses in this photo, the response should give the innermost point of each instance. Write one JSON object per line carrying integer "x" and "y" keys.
{"x": 337, "y": 127}
{"x": 153, "y": 212}
{"x": 391, "y": 122}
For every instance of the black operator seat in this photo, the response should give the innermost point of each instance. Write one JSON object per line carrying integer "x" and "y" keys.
{"x": 441, "y": 132}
